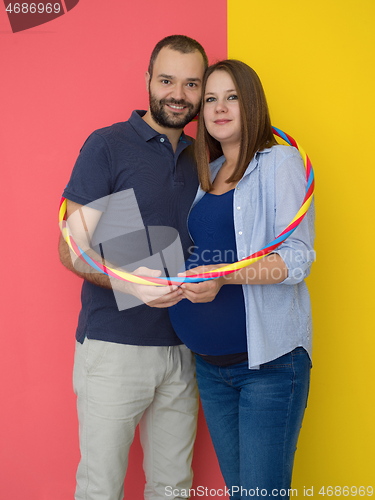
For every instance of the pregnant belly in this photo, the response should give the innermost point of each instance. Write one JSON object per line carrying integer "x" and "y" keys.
{"x": 217, "y": 327}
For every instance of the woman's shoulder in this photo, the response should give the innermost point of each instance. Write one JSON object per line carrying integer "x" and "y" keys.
{"x": 280, "y": 157}
{"x": 280, "y": 152}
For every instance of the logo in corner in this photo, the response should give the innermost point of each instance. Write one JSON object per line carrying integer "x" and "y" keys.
{"x": 25, "y": 15}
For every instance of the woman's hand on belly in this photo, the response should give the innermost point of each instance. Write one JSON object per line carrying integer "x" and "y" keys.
{"x": 204, "y": 291}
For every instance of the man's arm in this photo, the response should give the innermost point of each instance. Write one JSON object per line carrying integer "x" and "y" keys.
{"x": 81, "y": 268}
{"x": 82, "y": 222}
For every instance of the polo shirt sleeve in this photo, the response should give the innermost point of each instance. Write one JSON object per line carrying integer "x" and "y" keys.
{"x": 297, "y": 250}
{"x": 91, "y": 176}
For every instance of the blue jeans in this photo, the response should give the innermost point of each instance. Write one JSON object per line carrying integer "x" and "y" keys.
{"x": 254, "y": 418}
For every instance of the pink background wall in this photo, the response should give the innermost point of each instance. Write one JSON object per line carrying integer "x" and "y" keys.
{"x": 60, "y": 81}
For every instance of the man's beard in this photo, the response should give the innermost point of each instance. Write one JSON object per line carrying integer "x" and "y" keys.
{"x": 164, "y": 119}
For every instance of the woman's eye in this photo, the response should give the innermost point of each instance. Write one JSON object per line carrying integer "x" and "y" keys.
{"x": 210, "y": 99}
{"x": 232, "y": 97}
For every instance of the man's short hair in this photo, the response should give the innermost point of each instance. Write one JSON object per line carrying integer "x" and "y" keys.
{"x": 180, "y": 43}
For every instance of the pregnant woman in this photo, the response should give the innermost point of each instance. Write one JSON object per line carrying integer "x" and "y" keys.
{"x": 250, "y": 330}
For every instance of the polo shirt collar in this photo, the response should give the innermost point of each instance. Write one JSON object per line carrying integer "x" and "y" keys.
{"x": 145, "y": 131}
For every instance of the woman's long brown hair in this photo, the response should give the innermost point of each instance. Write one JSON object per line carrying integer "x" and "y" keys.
{"x": 256, "y": 130}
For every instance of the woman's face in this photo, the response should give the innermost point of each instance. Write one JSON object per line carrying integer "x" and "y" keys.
{"x": 221, "y": 110}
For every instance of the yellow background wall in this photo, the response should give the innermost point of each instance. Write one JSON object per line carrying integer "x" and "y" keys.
{"x": 316, "y": 60}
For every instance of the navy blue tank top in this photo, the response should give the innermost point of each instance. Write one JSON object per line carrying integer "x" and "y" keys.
{"x": 217, "y": 327}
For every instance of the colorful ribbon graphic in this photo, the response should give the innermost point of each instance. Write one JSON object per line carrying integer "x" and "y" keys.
{"x": 222, "y": 271}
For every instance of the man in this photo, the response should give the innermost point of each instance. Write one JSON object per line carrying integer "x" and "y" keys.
{"x": 129, "y": 366}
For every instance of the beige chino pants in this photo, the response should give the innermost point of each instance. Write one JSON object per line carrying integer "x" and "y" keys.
{"x": 119, "y": 386}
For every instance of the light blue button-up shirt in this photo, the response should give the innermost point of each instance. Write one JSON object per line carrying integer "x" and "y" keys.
{"x": 266, "y": 199}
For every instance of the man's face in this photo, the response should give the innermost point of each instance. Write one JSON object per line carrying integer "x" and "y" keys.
{"x": 175, "y": 87}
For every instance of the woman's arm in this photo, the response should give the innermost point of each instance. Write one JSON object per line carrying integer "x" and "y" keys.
{"x": 267, "y": 271}
{"x": 297, "y": 251}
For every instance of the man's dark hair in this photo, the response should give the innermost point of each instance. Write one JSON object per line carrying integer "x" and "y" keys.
{"x": 180, "y": 43}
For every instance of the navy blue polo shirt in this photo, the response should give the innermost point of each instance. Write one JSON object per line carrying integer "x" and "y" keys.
{"x": 133, "y": 156}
